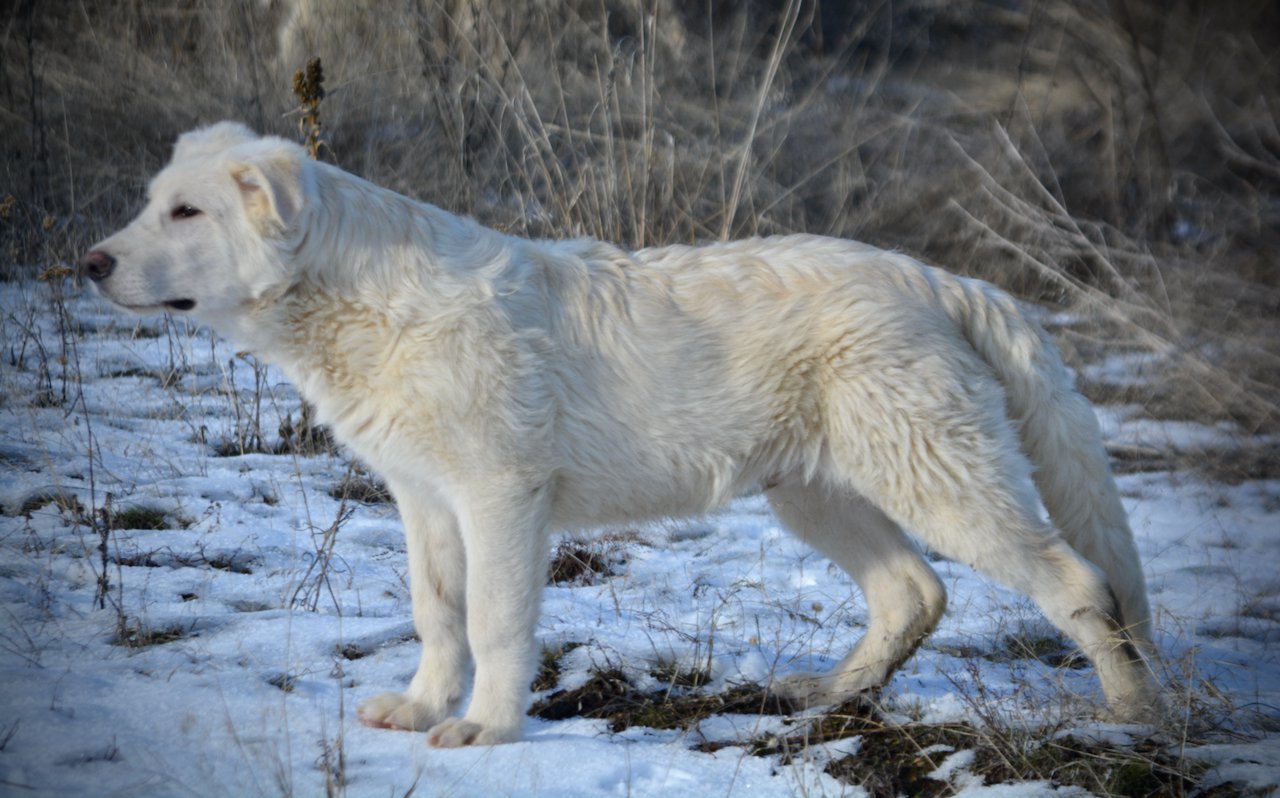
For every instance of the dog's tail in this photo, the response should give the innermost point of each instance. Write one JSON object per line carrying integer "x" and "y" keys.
{"x": 1059, "y": 434}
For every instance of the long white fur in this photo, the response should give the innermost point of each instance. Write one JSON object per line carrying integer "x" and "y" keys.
{"x": 506, "y": 387}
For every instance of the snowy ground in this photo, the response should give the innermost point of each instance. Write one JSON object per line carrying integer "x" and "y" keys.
{"x": 237, "y": 639}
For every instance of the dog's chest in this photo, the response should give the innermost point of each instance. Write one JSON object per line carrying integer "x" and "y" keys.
{"x": 379, "y": 389}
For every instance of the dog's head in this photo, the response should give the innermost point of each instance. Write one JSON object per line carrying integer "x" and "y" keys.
{"x": 211, "y": 239}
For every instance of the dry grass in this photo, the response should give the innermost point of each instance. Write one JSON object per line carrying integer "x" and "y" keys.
{"x": 892, "y": 758}
{"x": 1119, "y": 160}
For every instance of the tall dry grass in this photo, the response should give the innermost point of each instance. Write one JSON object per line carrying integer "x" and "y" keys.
{"x": 1118, "y": 159}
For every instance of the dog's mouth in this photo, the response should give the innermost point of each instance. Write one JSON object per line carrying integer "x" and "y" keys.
{"x": 179, "y": 305}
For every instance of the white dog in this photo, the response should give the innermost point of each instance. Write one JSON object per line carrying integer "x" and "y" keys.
{"x": 506, "y": 387}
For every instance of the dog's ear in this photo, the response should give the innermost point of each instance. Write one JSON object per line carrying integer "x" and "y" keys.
{"x": 271, "y": 182}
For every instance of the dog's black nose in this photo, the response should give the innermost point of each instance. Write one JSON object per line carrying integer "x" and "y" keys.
{"x": 97, "y": 265}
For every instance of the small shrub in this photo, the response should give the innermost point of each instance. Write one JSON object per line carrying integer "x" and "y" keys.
{"x": 608, "y": 694}
{"x": 140, "y": 517}
{"x": 235, "y": 563}
{"x": 892, "y": 761}
{"x": 363, "y": 487}
{"x": 133, "y": 634}
{"x": 548, "y": 675}
{"x": 586, "y": 562}
{"x": 67, "y": 503}
{"x": 675, "y": 675}
{"x": 1052, "y": 650}
{"x": 578, "y": 564}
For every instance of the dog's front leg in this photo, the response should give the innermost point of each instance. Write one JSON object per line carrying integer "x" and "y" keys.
{"x": 437, "y": 566}
{"x": 506, "y": 537}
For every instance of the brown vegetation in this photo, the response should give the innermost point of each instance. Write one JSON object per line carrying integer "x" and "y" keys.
{"x": 1119, "y": 159}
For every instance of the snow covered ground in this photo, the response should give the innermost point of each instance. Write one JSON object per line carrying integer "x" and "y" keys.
{"x": 235, "y": 638}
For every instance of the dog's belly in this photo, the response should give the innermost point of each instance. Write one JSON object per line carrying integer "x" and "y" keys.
{"x": 657, "y": 482}
{"x": 581, "y": 503}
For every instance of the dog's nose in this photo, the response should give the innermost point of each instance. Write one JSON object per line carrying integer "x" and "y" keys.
{"x": 97, "y": 265}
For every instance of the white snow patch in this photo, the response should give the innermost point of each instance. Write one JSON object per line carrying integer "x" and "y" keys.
{"x": 266, "y": 655}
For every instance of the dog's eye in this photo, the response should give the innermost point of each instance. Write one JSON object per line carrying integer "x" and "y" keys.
{"x": 184, "y": 212}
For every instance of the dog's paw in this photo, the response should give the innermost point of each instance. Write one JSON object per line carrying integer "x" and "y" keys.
{"x": 397, "y": 711}
{"x": 457, "y": 732}
{"x": 819, "y": 689}
{"x": 1150, "y": 711}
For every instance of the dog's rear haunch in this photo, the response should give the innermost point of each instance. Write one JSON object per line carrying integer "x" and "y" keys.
{"x": 506, "y": 387}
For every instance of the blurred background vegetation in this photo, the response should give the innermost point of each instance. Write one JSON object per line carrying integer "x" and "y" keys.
{"x": 1116, "y": 160}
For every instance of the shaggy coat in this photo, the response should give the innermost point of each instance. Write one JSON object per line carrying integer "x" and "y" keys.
{"x": 504, "y": 388}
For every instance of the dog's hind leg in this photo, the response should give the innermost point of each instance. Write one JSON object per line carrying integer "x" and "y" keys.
{"x": 437, "y": 568}
{"x": 904, "y": 597}
{"x": 1025, "y": 553}
{"x": 944, "y": 462}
